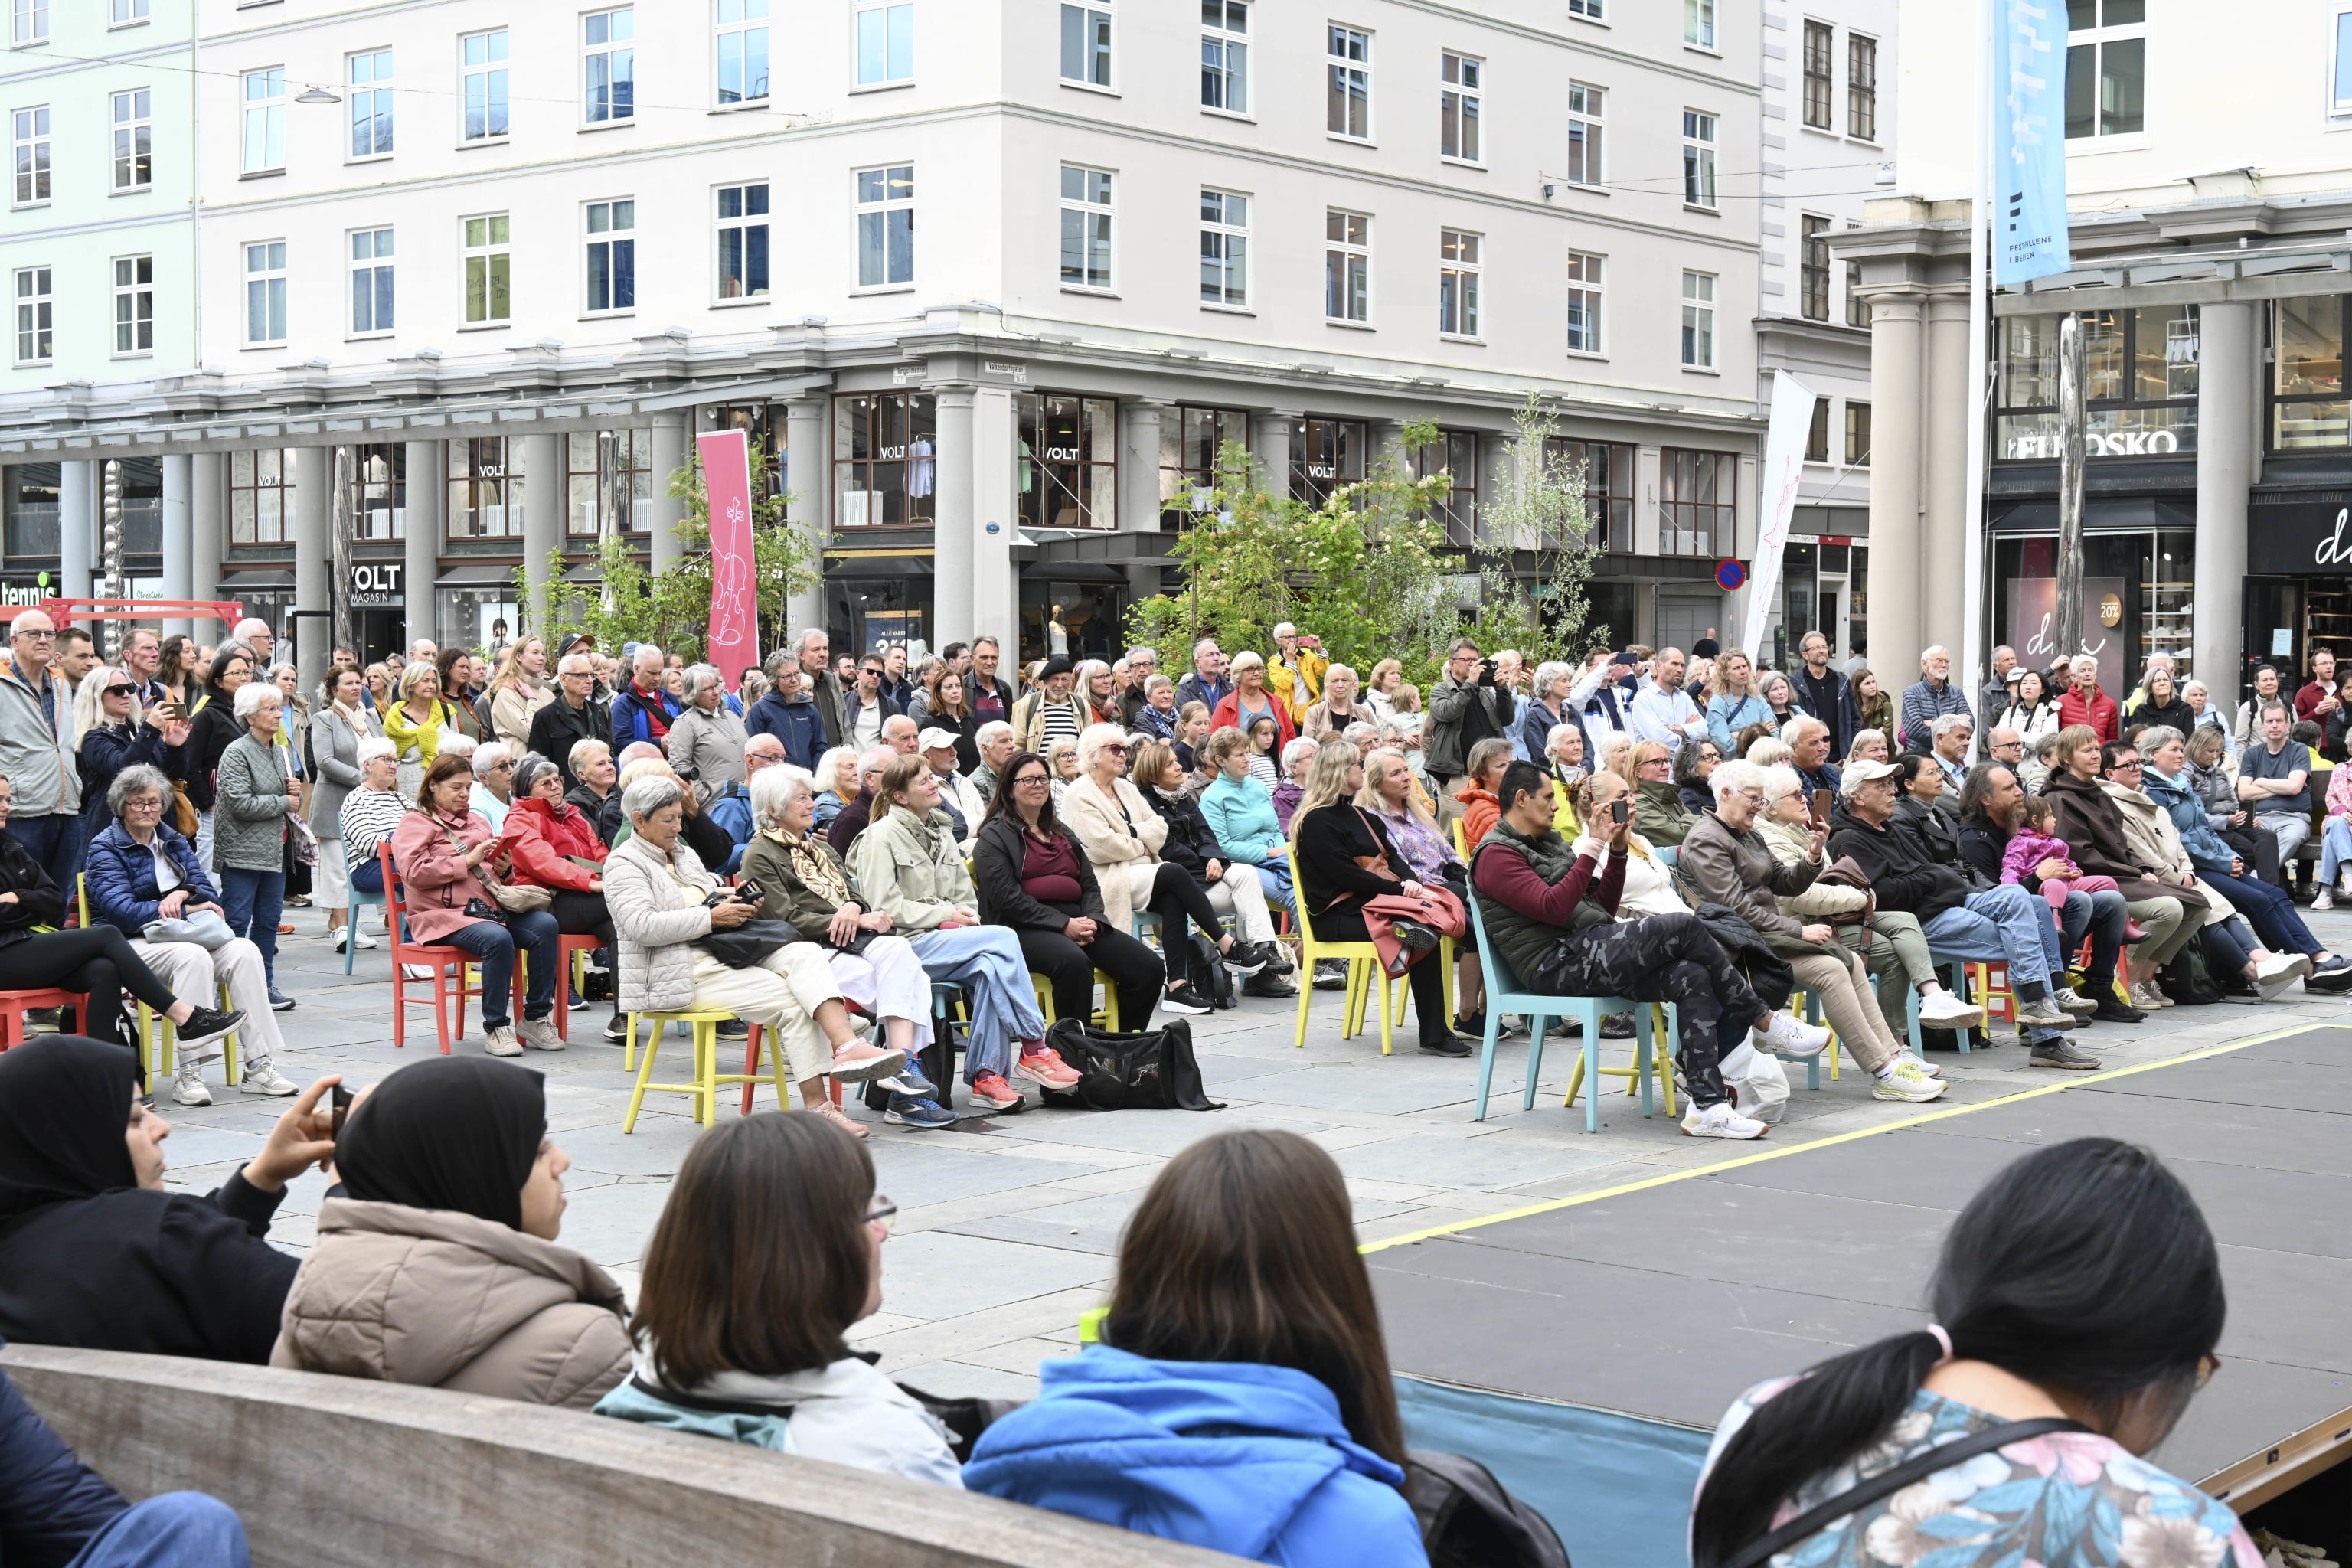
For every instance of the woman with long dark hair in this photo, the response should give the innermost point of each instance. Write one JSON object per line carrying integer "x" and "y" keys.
{"x": 2076, "y": 1304}
{"x": 1240, "y": 1398}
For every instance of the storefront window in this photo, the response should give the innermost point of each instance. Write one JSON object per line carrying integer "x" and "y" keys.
{"x": 1608, "y": 488}
{"x": 764, "y": 423}
{"x": 260, "y": 497}
{"x": 2139, "y": 385}
{"x": 380, "y": 491}
{"x": 31, "y": 505}
{"x": 142, "y": 507}
{"x": 2309, "y": 409}
{"x": 1325, "y": 456}
{"x": 602, "y": 467}
{"x": 1190, "y": 440}
{"x": 1697, "y": 497}
{"x": 466, "y": 615}
{"x": 1454, "y": 454}
{"x": 885, "y": 459}
{"x": 485, "y": 499}
{"x": 1068, "y": 472}
{"x": 2136, "y": 600}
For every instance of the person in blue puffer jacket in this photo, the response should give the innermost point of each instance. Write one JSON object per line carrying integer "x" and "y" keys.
{"x": 1240, "y": 1398}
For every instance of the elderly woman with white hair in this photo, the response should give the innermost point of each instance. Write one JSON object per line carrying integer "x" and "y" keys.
{"x": 664, "y": 904}
{"x": 371, "y": 814}
{"x": 255, "y": 793}
{"x": 805, "y": 882}
{"x": 706, "y": 740}
{"x": 493, "y": 795}
{"x": 1293, "y": 787}
{"x": 1728, "y": 862}
{"x": 1251, "y": 699}
{"x": 1157, "y": 717}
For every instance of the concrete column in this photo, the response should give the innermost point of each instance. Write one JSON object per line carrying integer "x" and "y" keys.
{"x": 1896, "y": 338}
{"x": 544, "y": 503}
{"x": 79, "y": 490}
{"x": 669, "y": 455}
{"x": 1139, "y": 490}
{"x": 1944, "y": 541}
{"x": 314, "y": 567}
{"x": 1270, "y": 446}
{"x": 207, "y": 533}
{"x": 955, "y": 530}
{"x": 421, "y": 524}
{"x": 995, "y": 586}
{"x": 179, "y": 477}
{"x": 809, "y": 507}
{"x": 2228, "y": 400}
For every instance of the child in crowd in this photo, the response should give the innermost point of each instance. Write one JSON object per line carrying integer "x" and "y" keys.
{"x": 2037, "y": 841}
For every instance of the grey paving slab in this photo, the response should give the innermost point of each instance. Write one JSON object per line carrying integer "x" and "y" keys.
{"x": 935, "y": 1274}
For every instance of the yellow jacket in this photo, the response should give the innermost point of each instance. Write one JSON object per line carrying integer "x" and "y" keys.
{"x": 424, "y": 737}
{"x": 1286, "y": 683}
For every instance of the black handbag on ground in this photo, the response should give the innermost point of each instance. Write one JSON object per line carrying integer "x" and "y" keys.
{"x": 1148, "y": 1069}
{"x": 1210, "y": 976}
{"x": 1469, "y": 1521}
{"x": 748, "y": 943}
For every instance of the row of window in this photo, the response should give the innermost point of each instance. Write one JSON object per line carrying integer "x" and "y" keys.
{"x": 28, "y": 21}
{"x": 33, "y": 296}
{"x": 1820, "y": 96}
{"x": 1856, "y": 417}
{"x": 131, "y": 125}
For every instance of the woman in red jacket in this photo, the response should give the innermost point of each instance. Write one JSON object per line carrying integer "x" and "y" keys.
{"x": 1249, "y": 700}
{"x": 2084, "y": 703}
{"x": 547, "y": 837}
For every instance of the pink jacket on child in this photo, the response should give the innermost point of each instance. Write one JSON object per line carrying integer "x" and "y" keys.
{"x": 2028, "y": 850}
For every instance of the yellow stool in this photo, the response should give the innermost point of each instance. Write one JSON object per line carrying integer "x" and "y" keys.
{"x": 1363, "y": 963}
{"x": 1107, "y": 1018}
{"x": 708, "y": 1079}
{"x": 1654, "y": 1048}
{"x": 159, "y": 1037}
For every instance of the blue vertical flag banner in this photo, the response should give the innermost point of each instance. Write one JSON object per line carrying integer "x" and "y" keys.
{"x": 2029, "y": 121}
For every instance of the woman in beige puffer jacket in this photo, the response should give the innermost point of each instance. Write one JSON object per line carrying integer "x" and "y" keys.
{"x": 440, "y": 1268}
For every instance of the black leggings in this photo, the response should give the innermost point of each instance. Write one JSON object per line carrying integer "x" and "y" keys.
{"x": 1134, "y": 970}
{"x": 1177, "y": 900}
{"x": 95, "y": 960}
{"x": 1426, "y": 977}
{"x": 582, "y": 914}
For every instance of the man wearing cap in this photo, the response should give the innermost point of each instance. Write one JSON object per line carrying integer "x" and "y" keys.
{"x": 1051, "y": 711}
{"x": 958, "y": 797}
{"x": 574, "y": 716}
{"x": 1295, "y": 671}
{"x": 786, "y": 712}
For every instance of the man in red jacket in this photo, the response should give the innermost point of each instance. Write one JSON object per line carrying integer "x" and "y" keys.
{"x": 2317, "y": 700}
{"x": 2084, "y": 703}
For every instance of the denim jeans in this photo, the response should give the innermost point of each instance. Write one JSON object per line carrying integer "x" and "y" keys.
{"x": 986, "y": 962}
{"x": 2271, "y": 912}
{"x": 2102, "y": 914}
{"x": 178, "y": 1530}
{"x": 2334, "y": 850}
{"x": 1275, "y": 880}
{"x": 2002, "y": 925}
{"x": 252, "y": 901}
{"x": 532, "y": 931}
{"x": 368, "y": 877}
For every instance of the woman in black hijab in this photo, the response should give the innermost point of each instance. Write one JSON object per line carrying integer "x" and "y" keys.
{"x": 451, "y": 1132}
{"x": 95, "y": 1252}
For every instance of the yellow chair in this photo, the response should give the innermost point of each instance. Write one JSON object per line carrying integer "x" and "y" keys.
{"x": 1363, "y": 963}
{"x": 1107, "y": 1018}
{"x": 708, "y": 1079}
{"x": 159, "y": 1037}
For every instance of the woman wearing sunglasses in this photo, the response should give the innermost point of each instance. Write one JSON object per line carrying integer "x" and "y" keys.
{"x": 116, "y": 735}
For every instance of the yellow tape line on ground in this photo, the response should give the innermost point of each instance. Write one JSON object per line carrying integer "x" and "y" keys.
{"x": 1551, "y": 1205}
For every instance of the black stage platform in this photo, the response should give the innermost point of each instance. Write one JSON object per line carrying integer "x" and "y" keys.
{"x": 1588, "y": 1347}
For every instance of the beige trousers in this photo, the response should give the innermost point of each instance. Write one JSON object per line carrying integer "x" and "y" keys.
{"x": 1843, "y": 991}
{"x": 192, "y": 975}
{"x": 782, "y": 996}
{"x": 1242, "y": 895}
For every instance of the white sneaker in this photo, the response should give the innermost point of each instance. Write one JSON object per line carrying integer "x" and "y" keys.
{"x": 1906, "y": 1082}
{"x": 365, "y": 940}
{"x": 2274, "y": 976}
{"x": 188, "y": 1086}
{"x": 1719, "y": 1120}
{"x": 345, "y": 935}
{"x": 2073, "y": 1000}
{"x": 2323, "y": 900}
{"x": 417, "y": 970}
{"x": 2149, "y": 997}
{"x": 263, "y": 1078}
{"x": 540, "y": 1035}
{"x": 1942, "y": 1010}
{"x": 1784, "y": 1034}
{"x": 501, "y": 1042}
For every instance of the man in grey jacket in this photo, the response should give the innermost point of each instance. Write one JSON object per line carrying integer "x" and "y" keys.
{"x": 1465, "y": 707}
{"x": 37, "y": 750}
{"x": 823, "y": 686}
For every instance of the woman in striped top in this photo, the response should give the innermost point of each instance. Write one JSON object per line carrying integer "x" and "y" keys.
{"x": 370, "y": 812}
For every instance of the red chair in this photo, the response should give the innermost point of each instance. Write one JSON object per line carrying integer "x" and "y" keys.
{"x": 751, "y": 1068}
{"x": 447, "y": 964}
{"x": 570, "y": 955}
{"x": 15, "y": 1005}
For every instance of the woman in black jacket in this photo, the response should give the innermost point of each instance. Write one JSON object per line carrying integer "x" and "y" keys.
{"x": 211, "y": 731}
{"x": 94, "y": 1252}
{"x": 2161, "y": 703}
{"x": 1331, "y": 836}
{"x": 1033, "y": 877}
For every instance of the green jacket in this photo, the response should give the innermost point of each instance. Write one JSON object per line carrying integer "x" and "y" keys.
{"x": 913, "y": 870}
{"x": 1521, "y": 942}
{"x": 790, "y": 897}
{"x": 1659, "y": 814}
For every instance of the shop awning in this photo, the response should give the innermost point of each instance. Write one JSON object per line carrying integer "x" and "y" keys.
{"x": 1073, "y": 571}
{"x": 2041, "y": 517}
{"x": 475, "y": 574}
{"x": 261, "y": 580}
{"x": 881, "y": 563}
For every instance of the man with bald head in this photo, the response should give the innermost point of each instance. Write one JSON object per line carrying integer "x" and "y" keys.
{"x": 36, "y": 749}
{"x": 853, "y": 818}
{"x": 731, "y": 809}
{"x": 254, "y": 633}
{"x": 900, "y": 733}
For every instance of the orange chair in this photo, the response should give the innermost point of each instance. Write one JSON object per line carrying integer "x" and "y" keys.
{"x": 15, "y": 1005}
{"x": 447, "y": 964}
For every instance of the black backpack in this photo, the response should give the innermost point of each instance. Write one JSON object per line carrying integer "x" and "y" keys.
{"x": 2191, "y": 978}
{"x": 1150, "y": 1069}
{"x": 1210, "y": 976}
{"x": 1469, "y": 1521}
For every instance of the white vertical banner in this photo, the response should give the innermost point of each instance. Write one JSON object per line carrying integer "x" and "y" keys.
{"x": 1784, "y": 470}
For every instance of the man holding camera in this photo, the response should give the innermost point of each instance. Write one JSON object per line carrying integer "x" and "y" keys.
{"x": 1465, "y": 707}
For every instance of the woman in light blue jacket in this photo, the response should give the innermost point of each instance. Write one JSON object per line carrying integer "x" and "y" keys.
{"x": 1240, "y": 812}
{"x": 1731, "y": 704}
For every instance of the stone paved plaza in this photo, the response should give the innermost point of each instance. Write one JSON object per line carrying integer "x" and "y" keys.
{"x": 1008, "y": 1225}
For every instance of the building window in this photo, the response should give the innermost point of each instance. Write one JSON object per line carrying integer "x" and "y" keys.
{"x": 265, "y": 293}
{"x": 1813, "y": 267}
{"x": 1590, "y": 10}
{"x": 1086, "y": 227}
{"x": 260, "y": 497}
{"x": 1457, "y": 112}
{"x": 1698, "y": 159}
{"x": 265, "y": 120}
{"x": 1857, "y": 308}
{"x": 1086, "y": 43}
{"x": 1698, "y": 23}
{"x": 1347, "y": 266}
{"x": 1817, "y": 433}
{"x": 1583, "y": 303}
{"x": 134, "y": 140}
{"x": 607, "y": 468}
{"x": 1862, "y": 87}
{"x": 485, "y": 501}
{"x": 371, "y": 280}
{"x": 1607, "y": 469}
{"x": 1224, "y": 55}
{"x": 743, "y": 54}
{"x": 125, "y": 13}
{"x": 1698, "y": 320}
{"x": 608, "y": 90}
{"x": 1224, "y": 248}
{"x": 2340, "y": 100}
{"x": 1696, "y": 492}
{"x": 2308, "y": 400}
{"x": 1454, "y": 454}
{"x": 886, "y": 41}
{"x": 28, "y": 23}
{"x": 886, "y": 226}
{"x": 1457, "y": 283}
{"x": 885, "y": 449}
{"x": 612, "y": 255}
{"x": 488, "y": 269}
{"x": 2141, "y": 394}
{"x": 1349, "y": 106}
{"x": 134, "y": 305}
{"x": 1190, "y": 440}
{"x": 1857, "y": 433}
{"x": 1821, "y": 83}
{"x": 30, "y": 132}
{"x": 485, "y": 70}
{"x": 36, "y": 318}
{"x": 380, "y": 491}
{"x": 1069, "y": 469}
{"x": 2106, "y": 68}
{"x": 742, "y": 242}
{"x": 1585, "y": 105}
{"x": 1326, "y": 455}
{"x": 371, "y": 96}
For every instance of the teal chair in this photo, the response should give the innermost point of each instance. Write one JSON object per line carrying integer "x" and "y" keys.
{"x": 359, "y": 901}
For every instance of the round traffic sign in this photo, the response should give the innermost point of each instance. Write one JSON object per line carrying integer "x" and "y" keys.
{"x": 1729, "y": 574}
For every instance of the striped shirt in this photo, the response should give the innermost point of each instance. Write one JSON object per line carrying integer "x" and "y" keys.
{"x": 368, "y": 819}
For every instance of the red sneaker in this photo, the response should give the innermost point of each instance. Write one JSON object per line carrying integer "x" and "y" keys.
{"x": 1043, "y": 1065}
{"x": 991, "y": 1090}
